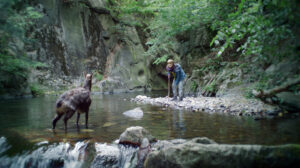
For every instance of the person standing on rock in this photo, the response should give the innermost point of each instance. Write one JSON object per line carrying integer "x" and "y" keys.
{"x": 178, "y": 74}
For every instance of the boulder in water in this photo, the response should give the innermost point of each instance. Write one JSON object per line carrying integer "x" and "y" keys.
{"x": 135, "y": 135}
{"x": 136, "y": 113}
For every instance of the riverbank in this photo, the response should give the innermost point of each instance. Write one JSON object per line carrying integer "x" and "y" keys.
{"x": 233, "y": 105}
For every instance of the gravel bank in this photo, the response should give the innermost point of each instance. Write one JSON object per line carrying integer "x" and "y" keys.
{"x": 237, "y": 105}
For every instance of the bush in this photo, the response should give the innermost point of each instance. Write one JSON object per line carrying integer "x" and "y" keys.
{"x": 258, "y": 29}
{"x": 16, "y": 19}
{"x": 194, "y": 86}
{"x": 98, "y": 76}
{"x": 36, "y": 90}
{"x": 13, "y": 73}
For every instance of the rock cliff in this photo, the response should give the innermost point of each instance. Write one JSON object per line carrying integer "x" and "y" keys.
{"x": 80, "y": 36}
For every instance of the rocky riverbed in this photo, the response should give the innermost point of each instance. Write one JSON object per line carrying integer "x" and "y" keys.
{"x": 143, "y": 150}
{"x": 137, "y": 148}
{"x": 234, "y": 105}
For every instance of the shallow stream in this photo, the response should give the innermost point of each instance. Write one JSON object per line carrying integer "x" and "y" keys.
{"x": 26, "y": 138}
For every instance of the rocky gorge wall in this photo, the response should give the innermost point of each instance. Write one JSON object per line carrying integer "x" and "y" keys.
{"x": 82, "y": 36}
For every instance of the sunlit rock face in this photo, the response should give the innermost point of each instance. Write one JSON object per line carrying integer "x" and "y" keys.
{"x": 76, "y": 37}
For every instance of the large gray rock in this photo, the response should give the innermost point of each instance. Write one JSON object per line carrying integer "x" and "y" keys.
{"x": 111, "y": 85}
{"x": 115, "y": 156}
{"x": 289, "y": 101}
{"x": 135, "y": 135}
{"x": 196, "y": 153}
{"x": 136, "y": 113}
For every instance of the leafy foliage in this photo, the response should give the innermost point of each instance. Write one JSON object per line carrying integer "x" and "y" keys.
{"x": 16, "y": 17}
{"x": 162, "y": 59}
{"x": 253, "y": 28}
{"x": 259, "y": 28}
{"x": 212, "y": 87}
{"x": 98, "y": 76}
{"x": 194, "y": 86}
{"x": 36, "y": 90}
{"x": 13, "y": 72}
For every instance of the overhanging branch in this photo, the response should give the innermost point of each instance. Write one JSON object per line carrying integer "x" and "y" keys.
{"x": 271, "y": 92}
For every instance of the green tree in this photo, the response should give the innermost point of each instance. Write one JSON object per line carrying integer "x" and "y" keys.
{"x": 16, "y": 17}
{"x": 260, "y": 29}
{"x": 255, "y": 28}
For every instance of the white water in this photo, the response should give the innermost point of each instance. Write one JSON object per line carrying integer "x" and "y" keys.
{"x": 54, "y": 155}
{"x": 65, "y": 155}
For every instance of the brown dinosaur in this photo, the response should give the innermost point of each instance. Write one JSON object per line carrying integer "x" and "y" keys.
{"x": 77, "y": 99}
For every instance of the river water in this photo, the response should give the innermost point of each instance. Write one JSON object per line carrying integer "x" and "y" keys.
{"x": 26, "y": 138}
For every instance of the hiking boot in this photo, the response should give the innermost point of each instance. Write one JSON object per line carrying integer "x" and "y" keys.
{"x": 174, "y": 98}
{"x": 180, "y": 98}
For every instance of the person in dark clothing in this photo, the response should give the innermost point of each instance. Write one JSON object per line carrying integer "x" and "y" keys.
{"x": 177, "y": 72}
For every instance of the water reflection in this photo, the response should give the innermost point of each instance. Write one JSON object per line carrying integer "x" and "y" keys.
{"x": 31, "y": 120}
{"x": 178, "y": 123}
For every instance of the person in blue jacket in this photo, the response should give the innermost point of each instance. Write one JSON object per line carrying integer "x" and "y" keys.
{"x": 177, "y": 72}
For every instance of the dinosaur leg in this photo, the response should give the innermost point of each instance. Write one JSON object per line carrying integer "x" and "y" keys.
{"x": 77, "y": 120}
{"x": 68, "y": 115}
{"x": 57, "y": 117}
